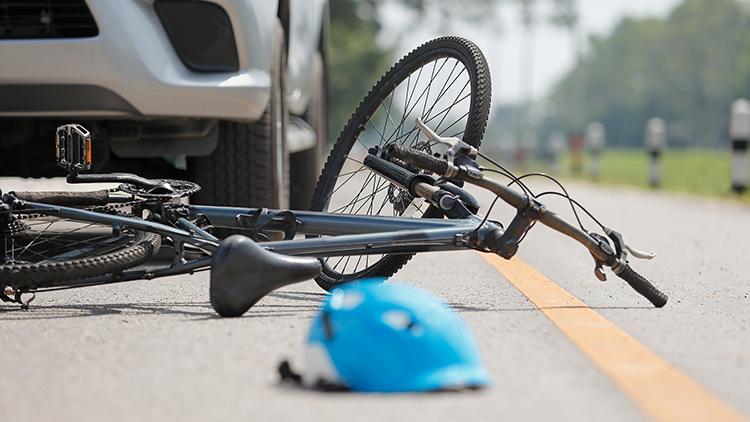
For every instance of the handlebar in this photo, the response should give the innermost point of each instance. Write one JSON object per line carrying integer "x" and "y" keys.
{"x": 530, "y": 210}
{"x": 643, "y": 286}
{"x": 418, "y": 158}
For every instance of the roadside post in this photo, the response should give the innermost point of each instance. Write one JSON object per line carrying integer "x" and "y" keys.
{"x": 576, "y": 153}
{"x": 521, "y": 154}
{"x": 526, "y": 149}
{"x": 739, "y": 133}
{"x": 556, "y": 150}
{"x": 595, "y": 141}
{"x": 656, "y": 135}
{"x": 530, "y": 144}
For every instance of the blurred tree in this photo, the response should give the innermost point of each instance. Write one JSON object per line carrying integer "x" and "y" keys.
{"x": 564, "y": 13}
{"x": 450, "y": 10}
{"x": 686, "y": 68}
{"x": 355, "y": 60}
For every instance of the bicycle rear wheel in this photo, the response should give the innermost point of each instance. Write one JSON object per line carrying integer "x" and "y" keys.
{"x": 446, "y": 83}
{"x": 44, "y": 250}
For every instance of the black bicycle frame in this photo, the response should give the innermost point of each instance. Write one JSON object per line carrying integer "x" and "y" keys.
{"x": 347, "y": 234}
{"x": 329, "y": 235}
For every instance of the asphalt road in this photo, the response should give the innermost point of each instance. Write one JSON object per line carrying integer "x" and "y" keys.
{"x": 156, "y": 351}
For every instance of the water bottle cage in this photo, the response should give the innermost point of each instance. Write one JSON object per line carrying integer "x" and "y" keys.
{"x": 267, "y": 220}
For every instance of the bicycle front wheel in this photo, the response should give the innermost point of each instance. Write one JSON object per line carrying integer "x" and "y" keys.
{"x": 446, "y": 83}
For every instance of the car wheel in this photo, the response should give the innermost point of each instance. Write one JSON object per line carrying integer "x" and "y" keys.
{"x": 250, "y": 165}
{"x": 305, "y": 165}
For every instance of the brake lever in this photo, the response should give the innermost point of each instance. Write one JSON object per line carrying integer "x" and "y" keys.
{"x": 622, "y": 247}
{"x": 620, "y": 253}
{"x": 640, "y": 254}
{"x": 455, "y": 145}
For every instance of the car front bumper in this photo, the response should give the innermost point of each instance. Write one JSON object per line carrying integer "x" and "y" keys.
{"x": 130, "y": 69}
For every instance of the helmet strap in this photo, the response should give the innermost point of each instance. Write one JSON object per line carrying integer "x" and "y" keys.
{"x": 287, "y": 374}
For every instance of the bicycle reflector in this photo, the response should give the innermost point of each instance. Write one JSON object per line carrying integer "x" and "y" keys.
{"x": 73, "y": 147}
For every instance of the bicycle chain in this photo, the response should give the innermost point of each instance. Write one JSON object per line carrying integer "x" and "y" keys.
{"x": 114, "y": 207}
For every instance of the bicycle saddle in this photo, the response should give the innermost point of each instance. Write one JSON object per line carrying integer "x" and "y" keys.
{"x": 242, "y": 272}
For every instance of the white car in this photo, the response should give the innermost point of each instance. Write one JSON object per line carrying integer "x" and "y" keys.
{"x": 233, "y": 90}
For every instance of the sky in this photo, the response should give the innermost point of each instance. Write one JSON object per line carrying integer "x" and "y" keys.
{"x": 503, "y": 42}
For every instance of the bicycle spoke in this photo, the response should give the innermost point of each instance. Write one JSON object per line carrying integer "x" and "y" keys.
{"x": 358, "y": 200}
{"x": 442, "y": 131}
{"x": 370, "y": 177}
{"x": 408, "y": 111}
{"x": 384, "y": 185}
{"x": 445, "y": 112}
{"x": 351, "y": 172}
{"x": 34, "y": 240}
{"x": 48, "y": 238}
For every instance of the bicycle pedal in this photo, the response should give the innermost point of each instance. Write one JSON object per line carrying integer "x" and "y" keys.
{"x": 73, "y": 148}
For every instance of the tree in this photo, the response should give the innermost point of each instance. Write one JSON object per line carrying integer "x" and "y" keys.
{"x": 686, "y": 69}
{"x": 355, "y": 60}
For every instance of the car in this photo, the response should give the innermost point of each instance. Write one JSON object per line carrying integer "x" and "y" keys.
{"x": 233, "y": 92}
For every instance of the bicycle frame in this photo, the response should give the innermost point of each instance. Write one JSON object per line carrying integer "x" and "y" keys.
{"x": 329, "y": 235}
{"x": 355, "y": 234}
{"x": 340, "y": 235}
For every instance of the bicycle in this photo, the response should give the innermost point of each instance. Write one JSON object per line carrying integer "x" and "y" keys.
{"x": 412, "y": 200}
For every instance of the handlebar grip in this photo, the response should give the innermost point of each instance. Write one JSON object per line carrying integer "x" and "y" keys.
{"x": 389, "y": 170}
{"x": 418, "y": 158}
{"x": 643, "y": 286}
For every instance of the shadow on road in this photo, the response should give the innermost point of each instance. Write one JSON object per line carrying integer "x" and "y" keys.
{"x": 203, "y": 311}
{"x": 196, "y": 310}
{"x": 315, "y": 297}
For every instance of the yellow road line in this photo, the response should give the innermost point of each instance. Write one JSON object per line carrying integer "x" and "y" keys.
{"x": 662, "y": 391}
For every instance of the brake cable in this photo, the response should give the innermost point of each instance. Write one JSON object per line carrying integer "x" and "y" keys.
{"x": 518, "y": 180}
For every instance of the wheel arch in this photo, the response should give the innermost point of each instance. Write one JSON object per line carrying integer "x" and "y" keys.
{"x": 306, "y": 35}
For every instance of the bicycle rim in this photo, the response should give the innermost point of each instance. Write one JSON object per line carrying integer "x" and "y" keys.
{"x": 40, "y": 250}
{"x": 445, "y": 82}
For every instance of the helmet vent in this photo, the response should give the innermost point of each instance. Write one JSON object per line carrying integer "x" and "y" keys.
{"x": 327, "y": 326}
{"x": 402, "y": 321}
{"x": 346, "y": 300}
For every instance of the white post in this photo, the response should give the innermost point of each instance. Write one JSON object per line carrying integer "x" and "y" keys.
{"x": 595, "y": 140}
{"x": 656, "y": 139}
{"x": 556, "y": 150}
{"x": 526, "y": 148}
{"x": 739, "y": 133}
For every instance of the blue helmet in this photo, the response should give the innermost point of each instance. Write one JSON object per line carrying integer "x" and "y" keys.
{"x": 375, "y": 337}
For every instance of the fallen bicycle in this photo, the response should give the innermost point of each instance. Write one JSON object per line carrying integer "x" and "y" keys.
{"x": 393, "y": 186}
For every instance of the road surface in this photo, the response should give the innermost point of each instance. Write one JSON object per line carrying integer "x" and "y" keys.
{"x": 154, "y": 351}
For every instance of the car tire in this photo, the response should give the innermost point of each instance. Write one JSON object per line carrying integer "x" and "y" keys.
{"x": 305, "y": 166}
{"x": 250, "y": 165}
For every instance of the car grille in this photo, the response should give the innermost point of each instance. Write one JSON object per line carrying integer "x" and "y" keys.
{"x": 46, "y": 19}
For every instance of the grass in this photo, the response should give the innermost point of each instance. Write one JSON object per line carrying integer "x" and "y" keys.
{"x": 701, "y": 172}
